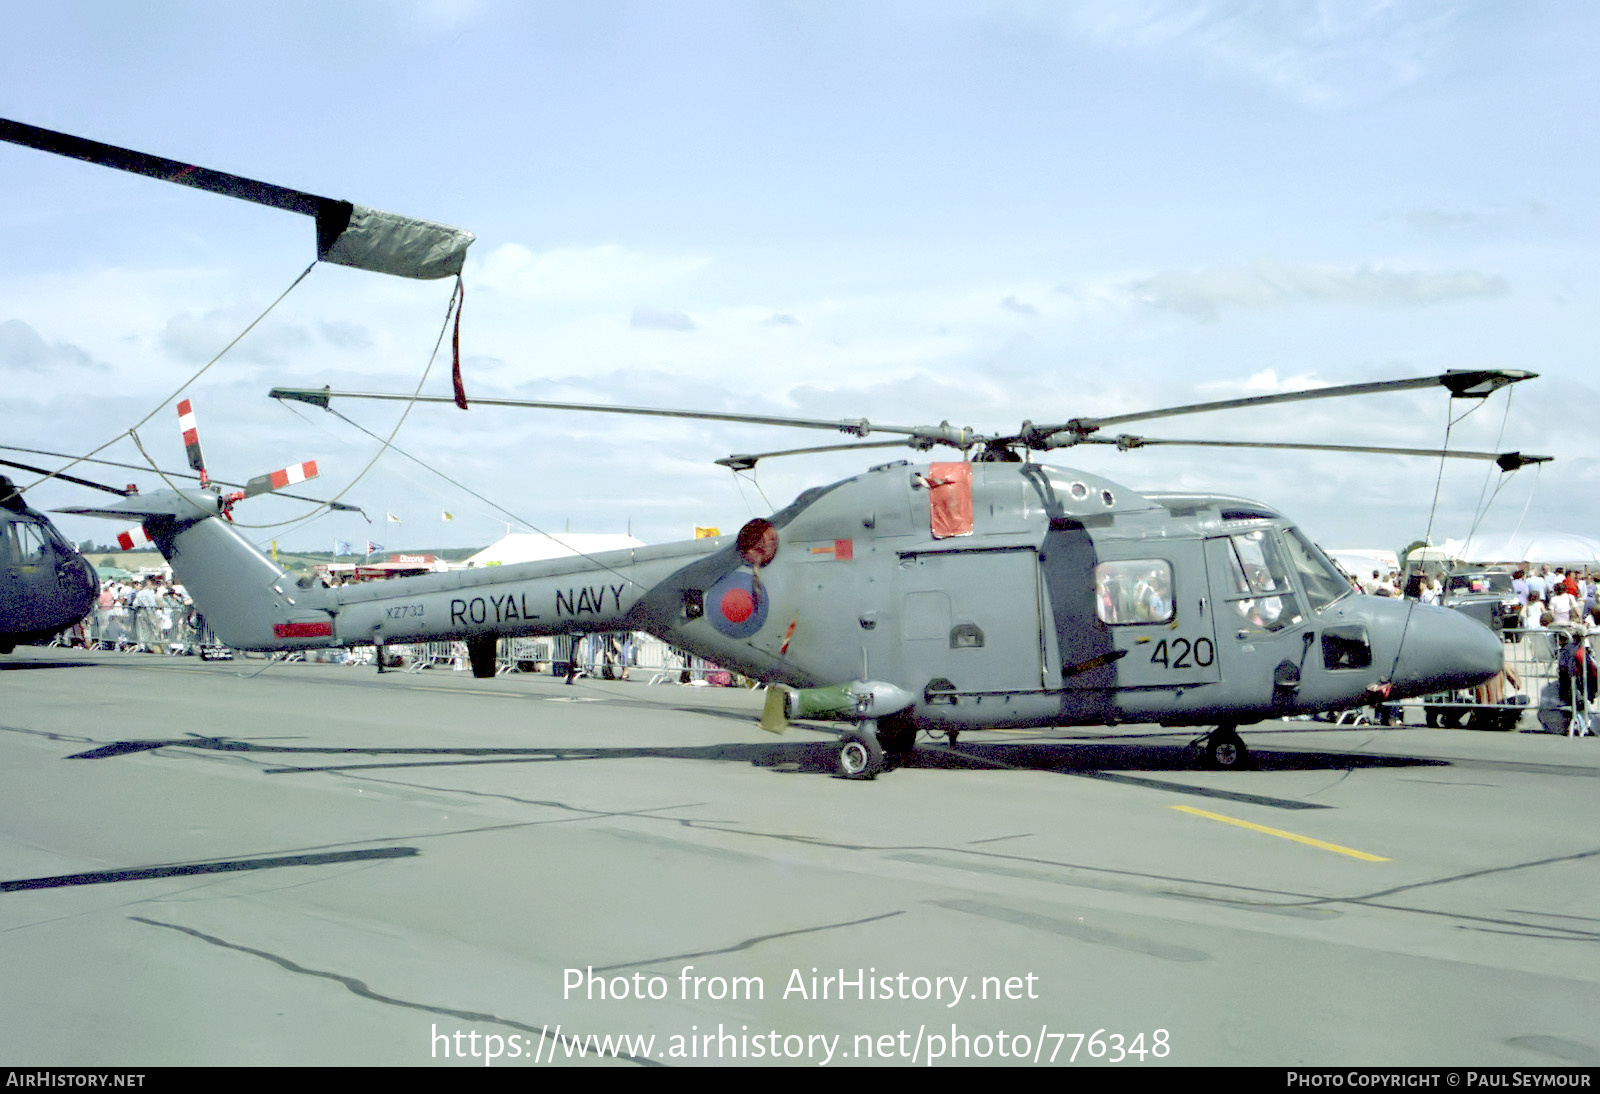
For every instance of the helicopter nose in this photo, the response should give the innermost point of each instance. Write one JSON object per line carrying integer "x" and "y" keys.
{"x": 1444, "y": 649}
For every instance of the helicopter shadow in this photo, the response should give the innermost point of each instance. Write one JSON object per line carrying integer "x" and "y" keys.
{"x": 1106, "y": 756}
{"x": 12, "y": 664}
{"x": 1102, "y": 759}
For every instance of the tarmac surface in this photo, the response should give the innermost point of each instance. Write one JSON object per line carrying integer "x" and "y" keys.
{"x": 261, "y": 863}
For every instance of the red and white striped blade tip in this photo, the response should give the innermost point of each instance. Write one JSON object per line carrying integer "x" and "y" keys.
{"x": 277, "y": 480}
{"x": 133, "y": 537}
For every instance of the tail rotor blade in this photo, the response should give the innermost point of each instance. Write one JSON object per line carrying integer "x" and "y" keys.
{"x": 277, "y": 480}
{"x": 191, "y": 441}
{"x": 133, "y": 537}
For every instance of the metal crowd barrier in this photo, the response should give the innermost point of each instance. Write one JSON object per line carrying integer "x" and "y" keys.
{"x": 117, "y": 628}
{"x": 599, "y": 655}
{"x": 1527, "y": 696}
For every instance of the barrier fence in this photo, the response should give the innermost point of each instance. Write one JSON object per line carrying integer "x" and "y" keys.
{"x": 614, "y": 655}
{"x": 1541, "y": 688}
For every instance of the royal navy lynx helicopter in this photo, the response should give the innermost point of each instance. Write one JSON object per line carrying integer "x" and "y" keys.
{"x": 982, "y": 592}
{"x": 985, "y": 591}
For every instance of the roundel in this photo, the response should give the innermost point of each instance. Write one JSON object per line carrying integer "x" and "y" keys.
{"x": 734, "y": 607}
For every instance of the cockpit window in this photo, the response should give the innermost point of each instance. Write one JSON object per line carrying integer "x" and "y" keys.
{"x": 1262, "y": 595}
{"x": 1135, "y": 591}
{"x": 31, "y": 544}
{"x": 1319, "y": 579}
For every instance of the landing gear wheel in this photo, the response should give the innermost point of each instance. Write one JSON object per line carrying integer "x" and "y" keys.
{"x": 1225, "y": 750}
{"x": 952, "y": 734}
{"x": 860, "y": 757}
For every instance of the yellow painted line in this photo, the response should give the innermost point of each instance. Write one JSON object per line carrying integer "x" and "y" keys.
{"x": 1281, "y": 834}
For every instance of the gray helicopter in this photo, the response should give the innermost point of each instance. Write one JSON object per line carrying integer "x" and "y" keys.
{"x": 983, "y": 592}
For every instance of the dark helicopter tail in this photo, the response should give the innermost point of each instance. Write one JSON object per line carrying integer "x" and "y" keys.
{"x": 249, "y": 601}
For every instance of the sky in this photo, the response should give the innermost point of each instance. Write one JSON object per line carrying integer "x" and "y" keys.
{"x": 981, "y": 212}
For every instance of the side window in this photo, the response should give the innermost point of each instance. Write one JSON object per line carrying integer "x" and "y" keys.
{"x": 1346, "y": 647}
{"x": 1321, "y": 583}
{"x": 1137, "y": 591}
{"x": 32, "y": 544}
{"x": 1262, "y": 596}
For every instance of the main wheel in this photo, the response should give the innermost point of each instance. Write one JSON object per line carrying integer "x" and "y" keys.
{"x": 1225, "y": 750}
{"x": 860, "y": 757}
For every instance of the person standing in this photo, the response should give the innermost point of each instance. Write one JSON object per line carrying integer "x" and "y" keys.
{"x": 146, "y": 613}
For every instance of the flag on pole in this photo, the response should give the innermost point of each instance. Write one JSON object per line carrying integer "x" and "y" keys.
{"x": 391, "y": 518}
{"x": 342, "y": 547}
{"x": 448, "y": 515}
{"x": 373, "y": 548}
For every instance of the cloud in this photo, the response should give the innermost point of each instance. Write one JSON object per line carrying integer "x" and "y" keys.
{"x": 1486, "y": 221}
{"x": 1265, "y": 382}
{"x": 345, "y": 334}
{"x": 1327, "y": 56}
{"x": 1202, "y": 294}
{"x": 596, "y": 276}
{"x": 1012, "y": 304}
{"x": 196, "y": 339}
{"x": 24, "y": 350}
{"x": 654, "y": 319}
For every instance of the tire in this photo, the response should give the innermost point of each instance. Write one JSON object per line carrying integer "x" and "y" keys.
{"x": 1225, "y": 751}
{"x": 860, "y": 757}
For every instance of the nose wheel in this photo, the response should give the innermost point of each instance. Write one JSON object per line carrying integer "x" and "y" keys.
{"x": 1224, "y": 749}
{"x": 860, "y": 754}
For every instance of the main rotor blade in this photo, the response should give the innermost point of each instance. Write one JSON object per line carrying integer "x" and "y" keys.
{"x": 943, "y": 433}
{"x": 1508, "y": 461}
{"x": 1462, "y": 384}
{"x": 337, "y": 506}
{"x": 347, "y": 234}
{"x": 67, "y": 478}
{"x": 742, "y": 461}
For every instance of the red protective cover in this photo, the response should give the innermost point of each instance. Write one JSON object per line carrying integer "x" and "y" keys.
{"x": 950, "y": 499}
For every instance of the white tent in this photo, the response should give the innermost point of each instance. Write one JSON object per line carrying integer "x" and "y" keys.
{"x": 535, "y": 546}
{"x": 1361, "y": 561}
{"x": 1540, "y": 547}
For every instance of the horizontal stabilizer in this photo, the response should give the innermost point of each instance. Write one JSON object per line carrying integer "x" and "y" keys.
{"x": 183, "y": 504}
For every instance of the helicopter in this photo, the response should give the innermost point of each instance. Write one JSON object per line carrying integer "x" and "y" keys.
{"x": 983, "y": 592}
{"x": 987, "y": 591}
{"x": 45, "y": 584}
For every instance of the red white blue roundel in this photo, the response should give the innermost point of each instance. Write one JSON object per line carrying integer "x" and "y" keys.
{"x": 733, "y": 606}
